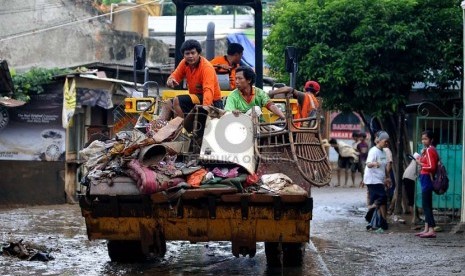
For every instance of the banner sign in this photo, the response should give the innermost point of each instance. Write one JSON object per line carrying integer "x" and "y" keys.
{"x": 343, "y": 124}
{"x": 33, "y": 131}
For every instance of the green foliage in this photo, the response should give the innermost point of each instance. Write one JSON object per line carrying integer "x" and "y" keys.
{"x": 168, "y": 8}
{"x": 200, "y": 10}
{"x": 32, "y": 81}
{"x": 232, "y": 9}
{"x": 109, "y": 2}
{"x": 368, "y": 53}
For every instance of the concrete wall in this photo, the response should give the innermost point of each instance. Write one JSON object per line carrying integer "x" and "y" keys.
{"x": 57, "y": 42}
{"x": 26, "y": 182}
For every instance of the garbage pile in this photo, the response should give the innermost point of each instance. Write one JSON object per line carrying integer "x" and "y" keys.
{"x": 146, "y": 163}
{"x": 25, "y": 252}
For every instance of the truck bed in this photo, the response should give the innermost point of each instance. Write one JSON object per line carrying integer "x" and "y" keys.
{"x": 214, "y": 214}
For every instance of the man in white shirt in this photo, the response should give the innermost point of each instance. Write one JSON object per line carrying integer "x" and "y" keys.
{"x": 376, "y": 177}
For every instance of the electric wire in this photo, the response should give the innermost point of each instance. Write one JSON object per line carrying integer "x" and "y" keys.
{"x": 14, "y": 36}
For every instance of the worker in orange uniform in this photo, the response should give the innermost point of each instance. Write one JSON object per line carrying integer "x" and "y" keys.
{"x": 202, "y": 82}
{"x": 308, "y": 103}
{"x": 227, "y": 64}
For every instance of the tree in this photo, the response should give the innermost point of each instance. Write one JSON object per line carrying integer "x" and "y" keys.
{"x": 367, "y": 54}
{"x": 109, "y": 2}
{"x": 232, "y": 9}
{"x": 368, "y": 49}
{"x": 200, "y": 10}
{"x": 168, "y": 8}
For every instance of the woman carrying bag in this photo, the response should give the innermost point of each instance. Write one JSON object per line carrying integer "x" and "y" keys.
{"x": 428, "y": 162}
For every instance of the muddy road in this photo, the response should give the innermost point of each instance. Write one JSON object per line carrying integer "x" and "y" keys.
{"x": 340, "y": 245}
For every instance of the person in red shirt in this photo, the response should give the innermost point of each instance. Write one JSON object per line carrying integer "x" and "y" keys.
{"x": 228, "y": 64}
{"x": 202, "y": 82}
{"x": 429, "y": 163}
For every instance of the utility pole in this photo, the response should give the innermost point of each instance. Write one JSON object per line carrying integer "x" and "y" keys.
{"x": 462, "y": 214}
{"x": 234, "y": 17}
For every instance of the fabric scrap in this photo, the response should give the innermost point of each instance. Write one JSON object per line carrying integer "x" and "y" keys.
{"x": 225, "y": 172}
{"x": 196, "y": 178}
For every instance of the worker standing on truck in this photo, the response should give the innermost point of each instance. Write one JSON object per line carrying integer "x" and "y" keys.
{"x": 202, "y": 82}
{"x": 246, "y": 95}
{"x": 308, "y": 102}
{"x": 228, "y": 64}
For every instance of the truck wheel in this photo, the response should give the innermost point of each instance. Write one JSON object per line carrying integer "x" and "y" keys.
{"x": 292, "y": 254}
{"x": 125, "y": 251}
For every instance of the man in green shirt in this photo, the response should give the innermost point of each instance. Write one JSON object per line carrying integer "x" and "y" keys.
{"x": 246, "y": 96}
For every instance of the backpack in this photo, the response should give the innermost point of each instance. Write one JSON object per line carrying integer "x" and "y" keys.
{"x": 441, "y": 181}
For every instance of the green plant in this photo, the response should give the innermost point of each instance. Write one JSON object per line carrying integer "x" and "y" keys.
{"x": 32, "y": 81}
{"x": 109, "y": 2}
{"x": 368, "y": 49}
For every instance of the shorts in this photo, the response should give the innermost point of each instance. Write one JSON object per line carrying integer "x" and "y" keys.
{"x": 377, "y": 194}
{"x": 344, "y": 162}
{"x": 362, "y": 165}
{"x": 409, "y": 185}
{"x": 188, "y": 102}
{"x": 357, "y": 167}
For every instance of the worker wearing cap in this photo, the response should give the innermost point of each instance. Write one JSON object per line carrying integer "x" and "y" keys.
{"x": 308, "y": 103}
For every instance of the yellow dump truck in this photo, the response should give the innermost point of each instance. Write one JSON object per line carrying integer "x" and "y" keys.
{"x": 209, "y": 177}
{"x": 276, "y": 208}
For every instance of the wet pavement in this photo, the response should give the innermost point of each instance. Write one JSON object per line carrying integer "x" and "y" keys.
{"x": 339, "y": 245}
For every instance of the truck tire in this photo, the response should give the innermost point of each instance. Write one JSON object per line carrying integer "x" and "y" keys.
{"x": 292, "y": 254}
{"x": 125, "y": 251}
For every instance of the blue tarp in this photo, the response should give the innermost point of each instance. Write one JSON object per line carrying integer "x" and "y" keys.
{"x": 248, "y": 58}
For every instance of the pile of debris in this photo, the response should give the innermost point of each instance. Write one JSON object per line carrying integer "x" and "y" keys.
{"x": 25, "y": 251}
{"x": 145, "y": 163}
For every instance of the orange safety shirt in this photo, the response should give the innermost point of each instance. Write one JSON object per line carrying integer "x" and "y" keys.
{"x": 201, "y": 79}
{"x": 307, "y": 103}
{"x": 223, "y": 60}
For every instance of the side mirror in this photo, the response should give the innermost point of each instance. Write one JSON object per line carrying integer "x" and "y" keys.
{"x": 291, "y": 55}
{"x": 139, "y": 57}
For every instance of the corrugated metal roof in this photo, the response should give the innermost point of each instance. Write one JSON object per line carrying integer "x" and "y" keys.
{"x": 166, "y": 68}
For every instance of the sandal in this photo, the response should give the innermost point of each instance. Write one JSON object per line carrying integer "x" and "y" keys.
{"x": 428, "y": 236}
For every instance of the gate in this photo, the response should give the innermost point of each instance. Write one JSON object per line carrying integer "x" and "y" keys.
{"x": 447, "y": 130}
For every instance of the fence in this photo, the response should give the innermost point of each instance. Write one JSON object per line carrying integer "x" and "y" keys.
{"x": 448, "y": 134}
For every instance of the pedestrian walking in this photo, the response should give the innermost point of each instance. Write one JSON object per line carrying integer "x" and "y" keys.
{"x": 355, "y": 164}
{"x": 362, "y": 148}
{"x": 376, "y": 178}
{"x": 346, "y": 154}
